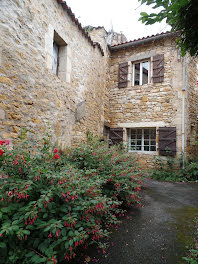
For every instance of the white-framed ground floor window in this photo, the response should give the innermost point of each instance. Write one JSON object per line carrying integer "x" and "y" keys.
{"x": 142, "y": 139}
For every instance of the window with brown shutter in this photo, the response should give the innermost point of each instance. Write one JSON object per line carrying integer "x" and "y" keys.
{"x": 158, "y": 68}
{"x": 123, "y": 75}
{"x": 141, "y": 73}
{"x": 167, "y": 141}
{"x": 115, "y": 136}
{"x": 142, "y": 139}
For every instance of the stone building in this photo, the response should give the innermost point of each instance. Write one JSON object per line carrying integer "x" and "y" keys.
{"x": 154, "y": 96}
{"x": 51, "y": 72}
{"x": 55, "y": 73}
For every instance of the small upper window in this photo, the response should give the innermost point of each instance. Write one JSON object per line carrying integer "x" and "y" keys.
{"x": 60, "y": 60}
{"x": 141, "y": 73}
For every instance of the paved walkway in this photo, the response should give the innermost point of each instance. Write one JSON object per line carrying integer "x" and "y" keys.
{"x": 159, "y": 232}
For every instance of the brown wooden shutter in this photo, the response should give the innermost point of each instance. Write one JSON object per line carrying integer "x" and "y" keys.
{"x": 123, "y": 75}
{"x": 167, "y": 141}
{"x": 116, "y": 136}
{"x": 158, "y": 68}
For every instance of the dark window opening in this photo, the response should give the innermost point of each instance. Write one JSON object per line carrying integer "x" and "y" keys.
{"x": 55, "y": 58}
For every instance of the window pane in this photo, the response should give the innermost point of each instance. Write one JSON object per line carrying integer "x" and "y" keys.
{"x": 139, "y": 131}
{"x": 137, "y": 74}
{"x": 145, "y": 69}
{"x": 139, "y": 142}
{"x": 153, "y": 148}
{"x": 133, "y": 131}
{"x": 138, "y": 148}
{"x": 55, "y": 58}
{"x": 153, "y": 142}
{"x": 133, "y": 136}
{"x": 153, "y": 133}
{"x": 139, "y": 136}
{"x": 146, "y": 142}
{"x": 146, "y": 148}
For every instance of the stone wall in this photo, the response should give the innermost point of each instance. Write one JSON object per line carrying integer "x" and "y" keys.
{"x": 31, "y": 96}
{"x": 85, "y": 94}
{"x": 191, "y": 104}
{"x": 149, "y": 105}
{"x": 100, "y": 35}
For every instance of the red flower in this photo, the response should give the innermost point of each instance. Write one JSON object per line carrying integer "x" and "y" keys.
{"x": 55, "y": 150}
{"x": 94, "y": 153}
{"x": 1, "y": 152}
{"x": 56, "y": 156}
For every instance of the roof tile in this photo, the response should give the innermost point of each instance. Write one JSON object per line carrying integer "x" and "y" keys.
{"x": 135, "y": 40}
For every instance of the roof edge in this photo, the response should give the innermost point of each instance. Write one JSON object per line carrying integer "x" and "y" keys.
{"x": 142, "y": 41}
{"x": 78, "y": 24}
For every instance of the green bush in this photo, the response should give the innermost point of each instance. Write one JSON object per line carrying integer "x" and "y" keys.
{"x": 167, "y": 169}
{"x": 170, "y": 169}
{"x": 55, "y": 203}
{"x": 192, "y": 254}
{"x": 191, "y": 169}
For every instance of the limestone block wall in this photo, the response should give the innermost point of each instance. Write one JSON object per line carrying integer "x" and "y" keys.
{"x": 149, "y": 105}
{"x": 33, "y": 97}
{"x": 191, "y": 104}
{"x": 100, "y": 35}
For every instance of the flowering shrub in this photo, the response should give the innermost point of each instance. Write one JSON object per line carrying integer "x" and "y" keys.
{"x": 54, "y": 203}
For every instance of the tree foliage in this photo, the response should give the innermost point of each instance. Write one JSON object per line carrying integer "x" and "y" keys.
{"x": 181, "y": 15}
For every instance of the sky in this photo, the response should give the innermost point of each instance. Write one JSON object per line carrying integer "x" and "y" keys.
{"x": 122, "y": 15}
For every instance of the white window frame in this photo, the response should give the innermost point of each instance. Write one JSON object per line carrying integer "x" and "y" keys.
{"x": 149, "y": 69}
{"x": 142, "y": 140}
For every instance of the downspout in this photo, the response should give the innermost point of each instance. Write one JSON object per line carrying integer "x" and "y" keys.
{"x": 183, "y": 111}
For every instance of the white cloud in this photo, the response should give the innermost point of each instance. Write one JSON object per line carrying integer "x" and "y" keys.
{"x": 123, "y": 15}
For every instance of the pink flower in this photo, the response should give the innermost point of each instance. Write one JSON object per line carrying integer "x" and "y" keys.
{"x": 16, "y": 162}
{"x": 55, "y": 150}
{"x": 56, "y": 156}
{"x": 50, "y": 235}
{"x": 7, "y": 142}
{"x": 94, "y": 153}
{"x": 57, "y": 232}
{"x": 70, "y": 248}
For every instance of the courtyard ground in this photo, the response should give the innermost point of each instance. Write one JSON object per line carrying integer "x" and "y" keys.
{"x": 159, "y": 232}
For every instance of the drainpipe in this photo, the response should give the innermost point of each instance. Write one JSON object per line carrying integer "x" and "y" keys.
{"x": 183, "y": 110}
